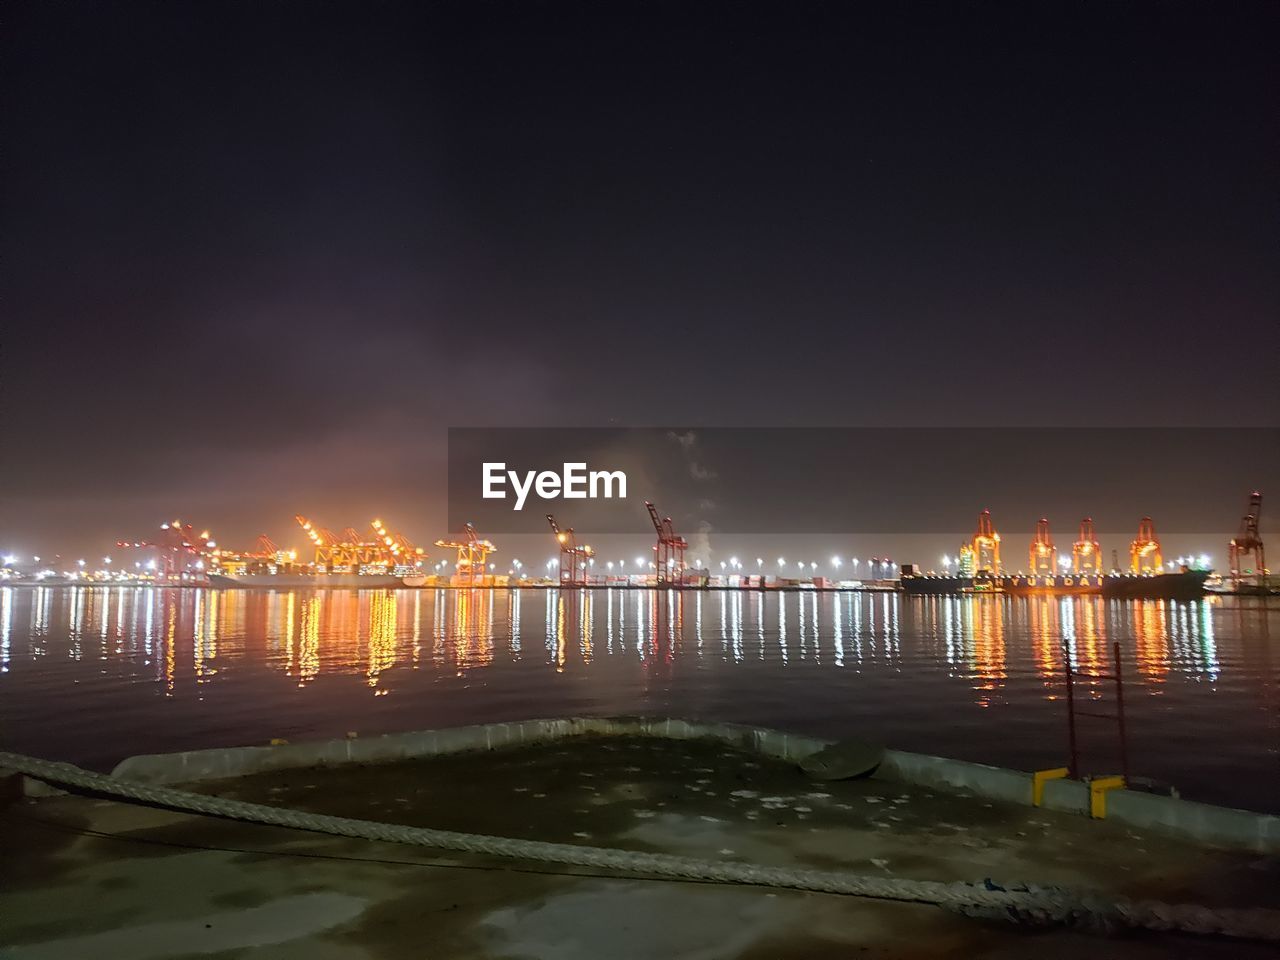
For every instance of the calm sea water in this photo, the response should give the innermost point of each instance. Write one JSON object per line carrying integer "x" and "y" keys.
{"x": 91, "y": 674}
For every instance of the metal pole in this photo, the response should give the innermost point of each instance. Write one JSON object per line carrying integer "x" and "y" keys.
{"x": 1124, "y": 737}
{"x": 1073, "y": 768}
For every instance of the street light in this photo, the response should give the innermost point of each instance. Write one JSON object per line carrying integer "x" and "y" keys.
{"x": 835, "y": 562}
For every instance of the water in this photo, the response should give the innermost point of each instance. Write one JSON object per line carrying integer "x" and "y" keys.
{"x": 94, "y": 674}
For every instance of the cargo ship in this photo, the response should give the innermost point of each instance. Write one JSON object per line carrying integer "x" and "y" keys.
{"x": 345, "y": 581}
{"x": 1182, "y": 585}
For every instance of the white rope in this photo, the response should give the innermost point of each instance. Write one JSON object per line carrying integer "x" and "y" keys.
{"x": 1038, "y": 905}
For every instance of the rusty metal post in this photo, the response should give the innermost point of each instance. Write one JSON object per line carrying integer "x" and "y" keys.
{"x": 1073, "y": 766}
{"x": 1124, "y": 736}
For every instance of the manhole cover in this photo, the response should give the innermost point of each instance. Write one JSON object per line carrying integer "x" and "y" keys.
{"x": 843, "y": 760}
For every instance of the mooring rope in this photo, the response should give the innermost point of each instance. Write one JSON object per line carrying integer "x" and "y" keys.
{"x": 1023, "y": 904}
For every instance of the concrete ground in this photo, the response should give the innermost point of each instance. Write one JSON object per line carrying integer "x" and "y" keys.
{"x": 82, "y": 877}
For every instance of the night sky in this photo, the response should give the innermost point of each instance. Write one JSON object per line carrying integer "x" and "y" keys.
{"x": 258, "y": 257}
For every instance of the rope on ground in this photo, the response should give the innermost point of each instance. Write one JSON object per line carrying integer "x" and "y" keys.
{"x": 1021, "y": 904}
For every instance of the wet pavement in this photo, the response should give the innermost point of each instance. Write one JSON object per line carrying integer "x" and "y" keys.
{"x": 82, "y": 877}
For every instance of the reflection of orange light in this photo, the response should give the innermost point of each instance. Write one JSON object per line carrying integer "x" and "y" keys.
{"x": 560, "y": 634}
{"x": 1045, "y": 632}
{"x": 586, "y": 627}
{"x": 309, "y": 641}
{"x": 1152, "y": 635}
{"x": 1093, "y": 637}
{"x": 988, "y": 645}
{"x": 170, "y": 639}
{"x": 471, "y": 629}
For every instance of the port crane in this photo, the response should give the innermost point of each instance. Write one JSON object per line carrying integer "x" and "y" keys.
{"x": 473, "y": 554}
{"x": 1086, "y": 552}
{"x": 400, "y": 547}
{"x": 350, "y": 550}
{"x": 986, "y": 545}
{"x": 1247, "y": 544}
{"x": 1044, "y": 557}
{"x": 1144, "y": 551}
{"x": 573, "y": 557}
{"x": 178, "y": 547}
{"x": 669, "y": 550}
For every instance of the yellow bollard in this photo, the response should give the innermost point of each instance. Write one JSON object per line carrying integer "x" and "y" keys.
{"x": 1038, "y": 780}
{"x": 1098, "y": 795}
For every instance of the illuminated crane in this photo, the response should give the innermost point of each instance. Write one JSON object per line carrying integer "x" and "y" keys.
{"x": 351, "y": 552}
{"x": 329, "y": 549}
{"x": 473, "y": 555}
{"x": 986, "y": 546}
{"x": 1044, "y": 557}
{"x": 178, "y": 547}
{"x": 1247, "y": 545}
{"x": 669, "y": 550}
{"x": 573, "y": 558}
{"x": 394, "y": 549}
{"x": 1086, "y": 552}
{"x": 266, "y": 555}
{"x": 1144, "y": 551}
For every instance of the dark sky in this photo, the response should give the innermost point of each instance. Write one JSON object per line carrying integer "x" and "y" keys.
{"x": 257, "y": 257}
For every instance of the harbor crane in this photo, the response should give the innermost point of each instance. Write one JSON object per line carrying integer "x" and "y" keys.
{"x": 573, "y": 556}
{"x": 669, "y": 550}
{"x": 1044, "y": 557}
{"x": 1246, "y": 548}
{"x": 400, "y": 548}
{"x": 178, "y": 547}
{"x": 986, "y": 546}
{"x": 1144, "y": 551}
{"x": 1086, "y": 552}
{"x": 473, "y": 555}
{"x": 351, "y": 551}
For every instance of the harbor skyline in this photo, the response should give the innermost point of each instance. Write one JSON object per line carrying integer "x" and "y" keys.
{"x": 226, "y": 306}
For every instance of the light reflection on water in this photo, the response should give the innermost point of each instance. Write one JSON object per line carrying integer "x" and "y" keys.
{"x": 92, "y": 674}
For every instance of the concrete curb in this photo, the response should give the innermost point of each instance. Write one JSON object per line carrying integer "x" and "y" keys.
{"x": 1199, "y": 822}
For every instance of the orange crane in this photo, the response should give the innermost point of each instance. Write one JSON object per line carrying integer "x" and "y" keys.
{"x": 1247, "y": 545}
{"x": 669, "y": 550}
{"x": 473, "y": 555}
{"x": 349, "y": 550}
{"x": 395, "y": 548}
{"x": 573, "y": 557}
{"x": 329, "y": 548}
{"x": 986, "y": 546}
{"x": 1044, "y": 558}
{"x": 1144, "y": 551}
{"x": 1086, "y": 552}
{"x": 266, "y": 553}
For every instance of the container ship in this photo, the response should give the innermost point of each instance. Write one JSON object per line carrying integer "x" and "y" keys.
{"x": 981, "y": 569}
{"x": 349, "y": 560}
{"x": 1182, "y": 585}
{"x": 282, "y": 580}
